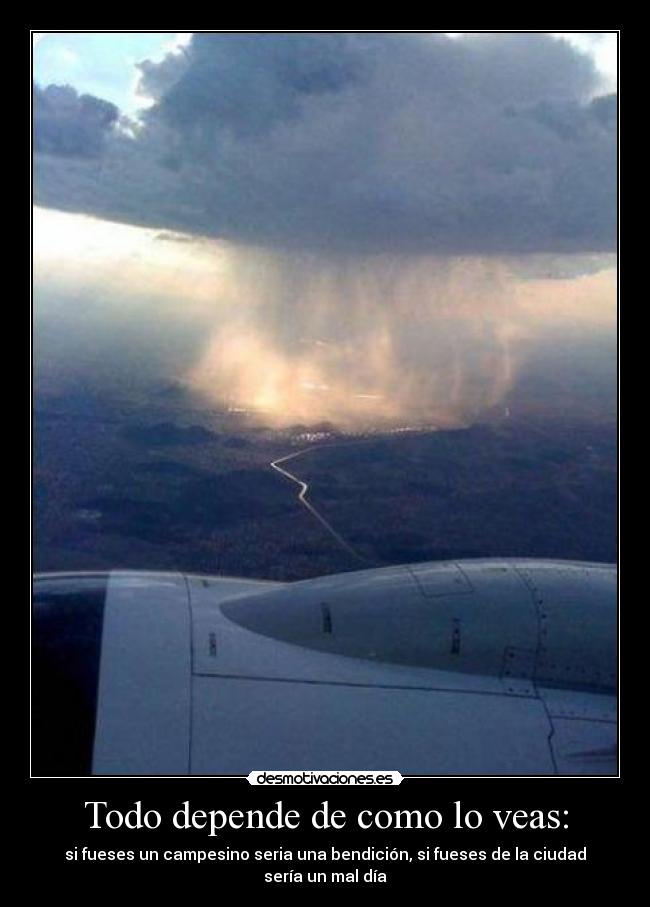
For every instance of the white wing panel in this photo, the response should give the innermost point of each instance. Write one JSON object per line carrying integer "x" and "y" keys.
{"x": 143, "y": 705}
{"x": 245, "y": 725}
{"x": 577, "y": 704}
{"x": 584, "y": 747}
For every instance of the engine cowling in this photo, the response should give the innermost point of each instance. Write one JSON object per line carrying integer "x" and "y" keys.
{"x": 448, "y": 668}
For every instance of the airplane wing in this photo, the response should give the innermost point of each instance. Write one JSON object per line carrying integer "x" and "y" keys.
{"x": 485, "y": 667}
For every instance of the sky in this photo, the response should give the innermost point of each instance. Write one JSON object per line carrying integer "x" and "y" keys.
{"x": 480, "y": 143}
{"x": 104, "y": 63}
{"x": 342, "y": 226}
{"x": 101, "y": 63}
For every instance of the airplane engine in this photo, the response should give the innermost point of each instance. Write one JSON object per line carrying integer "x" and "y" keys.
{"x": 484, "y": 667}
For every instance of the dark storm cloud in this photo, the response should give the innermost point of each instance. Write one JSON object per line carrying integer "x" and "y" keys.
{"x": 69, "y": 124}
{"x": 491, "y": 143}
{"x": 246, "y": 83}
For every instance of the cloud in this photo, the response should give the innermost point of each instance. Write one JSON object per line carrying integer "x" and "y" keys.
{"x": 69, "y": 124}
{"x": 365, "y": 142}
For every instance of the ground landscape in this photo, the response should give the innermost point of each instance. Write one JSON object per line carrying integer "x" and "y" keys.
{"x": 157, "y": 480}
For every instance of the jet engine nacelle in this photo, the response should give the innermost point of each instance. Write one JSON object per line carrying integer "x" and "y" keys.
{"x": 472, "y": 667}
